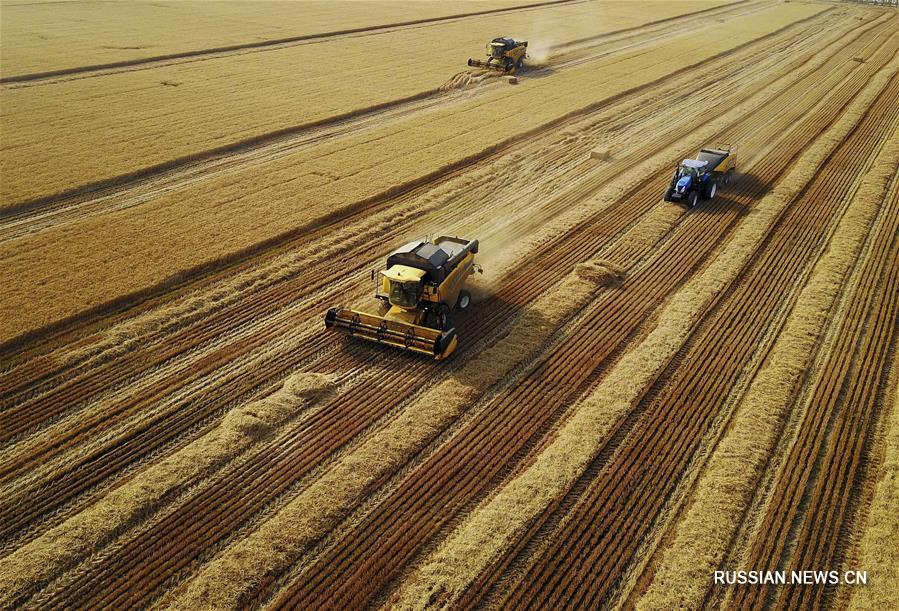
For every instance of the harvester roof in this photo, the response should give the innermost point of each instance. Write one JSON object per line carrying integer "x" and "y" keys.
{"x": 403, "y": 273}
{"x": 436, "y": 259}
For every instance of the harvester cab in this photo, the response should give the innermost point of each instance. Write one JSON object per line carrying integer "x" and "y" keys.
{"x": 419, "y": 289}
{"x": 701, "y": 178}
{"x": 503, "y": 54}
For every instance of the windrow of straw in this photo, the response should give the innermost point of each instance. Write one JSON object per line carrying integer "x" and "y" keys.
{"x": 40, "y": 560}
{"x": 879, "y": 545}
{"x": 498, "y": 523}
{"x": 285, "y": 537}
{"x": 730, "y": 478}
{"x": 178, "y": 232}
{"x": 121, "y": 338}
{"x": 198, "y": 106}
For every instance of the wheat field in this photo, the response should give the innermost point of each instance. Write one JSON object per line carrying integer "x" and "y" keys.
{"x": 644, "y": 394}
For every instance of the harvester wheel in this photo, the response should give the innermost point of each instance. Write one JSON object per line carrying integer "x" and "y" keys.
{"x": 439, "y": 317}
{"x": 693, "y": 199}
{"x": 464, "y": 300}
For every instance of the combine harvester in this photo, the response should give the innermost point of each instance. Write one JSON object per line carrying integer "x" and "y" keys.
{"x": 696, "y": 179}
{"x": 418, "y": 290}
{"x": 503, "y": 54}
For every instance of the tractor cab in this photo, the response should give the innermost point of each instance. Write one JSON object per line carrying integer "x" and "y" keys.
{"x": 690, "y": 172}
{"x": 692, "y": 167}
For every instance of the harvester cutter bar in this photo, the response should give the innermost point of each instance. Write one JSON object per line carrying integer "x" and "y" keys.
{"x": 413, "y": 338}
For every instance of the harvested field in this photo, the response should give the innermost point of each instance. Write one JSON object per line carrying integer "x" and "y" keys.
{"x": 643, "y": 393}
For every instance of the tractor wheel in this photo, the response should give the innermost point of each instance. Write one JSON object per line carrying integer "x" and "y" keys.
{"x": 463, "y": 301}
{"x": 693, "y": 199}
{"x": 668, "y": 195}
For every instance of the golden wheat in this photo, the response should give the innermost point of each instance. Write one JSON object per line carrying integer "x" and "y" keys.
{"x": 34, "y": 563}
{"x": 283, "y": 538}
{"x": 729, "y": 479}
{"x": 496, "y": 524}
{"x": 86, "y": 264}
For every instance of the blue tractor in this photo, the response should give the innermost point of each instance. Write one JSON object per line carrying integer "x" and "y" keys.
{"x": 700, "y": 178}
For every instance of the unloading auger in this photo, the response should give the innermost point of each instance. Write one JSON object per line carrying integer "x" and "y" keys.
{"x": 418, "y": 290}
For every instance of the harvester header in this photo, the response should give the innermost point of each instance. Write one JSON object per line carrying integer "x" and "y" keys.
{"x": 418, "y": 289}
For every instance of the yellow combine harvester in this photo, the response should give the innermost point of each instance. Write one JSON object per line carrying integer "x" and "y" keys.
{"x": 418, "y": 290}
{"x": 503, "y": 54}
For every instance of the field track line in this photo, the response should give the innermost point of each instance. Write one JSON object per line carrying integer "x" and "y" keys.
{"x": 813, "y": 498}
{"x": 731, "y": 474}
{"x": 394, "y": 509}
{"x": 272, "y": 146}
{"x": 575, "y": 564}
{"x": 365, "y": 205}
{"x": 104, "y": 195}
{"x": 607, "y": 515}
{"x": 268, "y": 298}
{"x": 150, "y": 62}
{"x": 131, "y": 556}
{"x": 53, "y": 77}
{"x": 876, "y": 540}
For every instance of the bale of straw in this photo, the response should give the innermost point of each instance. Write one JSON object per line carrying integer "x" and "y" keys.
{"x": 282, "y": 539}
{"x": 495, "y": 524}
{"x": 600, "y": 154}
{"x": 599, "y": 272}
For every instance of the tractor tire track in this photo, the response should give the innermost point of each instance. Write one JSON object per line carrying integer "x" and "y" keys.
{"x": 441, "y": 488}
